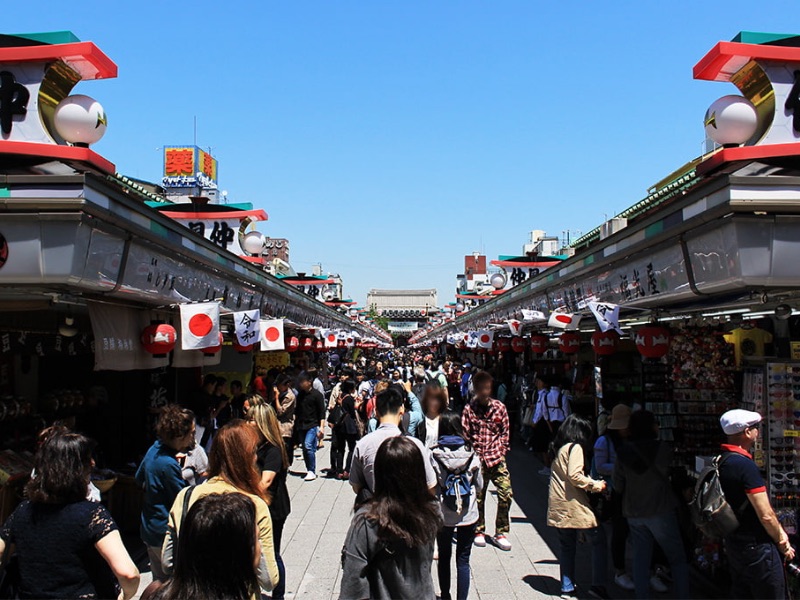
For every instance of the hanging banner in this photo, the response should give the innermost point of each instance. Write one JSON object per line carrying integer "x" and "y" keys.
{"x": 607, "y": 315}
{"x": 533, "y": 315}
{"x": 247, "y": 326}
{"x": 564, "y": 320}
{"x": 199, "y": 325}
{"x": 485, "y": 339}
{"x": 272, "y": 335}
{"x": 515, "y": 327}
{"x": 117, "y": 333}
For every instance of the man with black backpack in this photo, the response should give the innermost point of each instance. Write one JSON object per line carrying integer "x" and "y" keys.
{"x": 756, "y": 549}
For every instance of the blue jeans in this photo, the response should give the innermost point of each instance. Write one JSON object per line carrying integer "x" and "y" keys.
{"x": 310, "y": 443}
{"x": 756, "y": 569}
{"x": 569, "y": 547}
{"x": 465, "y": 535}
{"x": 279, "y": 591}
{"x": 665, "y": 530}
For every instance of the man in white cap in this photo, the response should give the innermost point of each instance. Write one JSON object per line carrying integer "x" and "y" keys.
{"x": 757, "y": 549}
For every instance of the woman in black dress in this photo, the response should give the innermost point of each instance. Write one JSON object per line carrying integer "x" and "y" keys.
{"x": 67, "y": 546}
{"x": 273, "y": 462}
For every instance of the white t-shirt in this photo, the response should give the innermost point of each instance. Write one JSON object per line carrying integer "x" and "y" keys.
{"x": 431, "y": 432}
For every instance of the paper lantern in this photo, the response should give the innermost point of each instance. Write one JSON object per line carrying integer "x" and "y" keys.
{"x": 518, "y": 345}
{"x": 80, "y": 119}
{"x": 213, "y": 349}
{"x": 605, "y": 343}
{"x": 652, "y": 341}
{"x": 159, "y": 339}
{"x": 306, "y": 344}
{"x": 242, "y": 349}
{"x": 319, "y": 346}
{"x": 539, "y": 343}
{"x": 569, "y": 343}
{"x": 293, "y": 344}
{"x": 502, "y": 344}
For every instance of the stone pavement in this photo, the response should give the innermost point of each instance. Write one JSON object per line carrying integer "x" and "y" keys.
{"x": 321, "y": 513}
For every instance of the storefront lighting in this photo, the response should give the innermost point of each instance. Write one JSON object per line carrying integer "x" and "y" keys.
{"x": 67, "y": 328}
{"x": 724, "y": 313}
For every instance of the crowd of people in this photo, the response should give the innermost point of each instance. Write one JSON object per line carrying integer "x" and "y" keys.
{"x": 419, "y": 442}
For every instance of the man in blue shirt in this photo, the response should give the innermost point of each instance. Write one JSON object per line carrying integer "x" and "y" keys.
{"x": 160, "y": 474}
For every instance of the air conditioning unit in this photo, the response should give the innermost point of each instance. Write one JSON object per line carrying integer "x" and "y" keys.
{"x": 281, "y": 267}
{"x": 612, "y": 226}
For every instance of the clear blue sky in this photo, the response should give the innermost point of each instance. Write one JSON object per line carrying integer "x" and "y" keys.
{"x": 388, "y": 139}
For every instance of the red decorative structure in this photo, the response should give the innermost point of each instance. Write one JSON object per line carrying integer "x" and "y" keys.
{"x": 605, "y": 343}
{"x": 539, "y": 343}
{"x": 652, "y": 341}
{"x": 241, "y": 349}
{"x": 569, "y": 343}
{"x": 502, "y": 345}
{"x": 306, "y": 344}
{"x": 293, "y": 345}
{"x": 159, "y": 339}
{"x": 518, "y": 345}
{"x": 319, "y": 346}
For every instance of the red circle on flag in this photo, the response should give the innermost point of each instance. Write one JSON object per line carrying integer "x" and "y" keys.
{"x": 272, "y": 334}
{"x": 201, "y": 325}
{"x": 332, "y": 338}
{"x": 564, "y": 319}
{"x": 485, "y": 338}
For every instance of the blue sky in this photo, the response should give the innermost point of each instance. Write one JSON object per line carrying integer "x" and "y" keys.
{"x": 389, "y": 139}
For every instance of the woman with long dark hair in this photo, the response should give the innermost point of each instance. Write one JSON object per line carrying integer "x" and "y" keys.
{"x": 569, "y": 509}
{"x": 273, "y": 464}
{"x": 217, "y": 554}
{"x": 67, "y": 546}
{"x": 232, "y": 469}
{"x": 389, "y": 548}
{"x": 458, "y": 469}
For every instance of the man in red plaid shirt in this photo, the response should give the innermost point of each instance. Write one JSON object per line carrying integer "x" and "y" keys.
{"x": 486, "y": 428}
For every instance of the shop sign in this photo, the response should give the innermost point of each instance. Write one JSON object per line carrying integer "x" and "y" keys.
{"x": 403, "y": 326}
{"x": 272, "y": 360}
{"x": 189, "y": 166}
{"x": 13, "y": 100}
{"x": 41, "y": 344}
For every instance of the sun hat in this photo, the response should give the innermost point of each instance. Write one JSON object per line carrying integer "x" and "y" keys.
{"x": 620, "y": 417}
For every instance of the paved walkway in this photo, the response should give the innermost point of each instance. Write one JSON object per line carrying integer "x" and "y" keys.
{"x": 321, "y": 513}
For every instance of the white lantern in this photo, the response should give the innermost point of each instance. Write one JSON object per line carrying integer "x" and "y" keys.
{"x": 498, "y": 280}
{"x": 460, "y": 307}
{"x": 80, "y": 120}
{"x": 731, "y": 120}
{"x": 253, "y": 243}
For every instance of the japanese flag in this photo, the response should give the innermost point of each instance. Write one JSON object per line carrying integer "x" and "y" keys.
{"x": 199, "y": 325}
{"x": 564, "y": 320}
{"x": 330, "y": 338}
{"x": 485, "y": 339}
{"x": 514, "y": 326}
{"x": 272, "y": 335}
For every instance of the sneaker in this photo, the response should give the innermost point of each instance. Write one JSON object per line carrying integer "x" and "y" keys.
{"x": 480, "y": 540}
{"x": 663, "y": 573}
{"x": 624, "y": 581}
{"x": 502, "y": 542}
{"x": 658, "y": 585}
{"x": 597, "y": 591}
{"x": 569, "y": 595}
{"x": 545, "y": 471}
{"x": 310, "y": 476}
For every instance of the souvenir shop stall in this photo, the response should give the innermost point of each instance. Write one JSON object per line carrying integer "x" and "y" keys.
{"x": 699, "y": 280}
{"x": 110, "y": 309}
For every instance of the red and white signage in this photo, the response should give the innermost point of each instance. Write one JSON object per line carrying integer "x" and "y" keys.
{"x": 199, "y": 325}
{"x": 564, "y": 320}
{"x": 272, "y": 337}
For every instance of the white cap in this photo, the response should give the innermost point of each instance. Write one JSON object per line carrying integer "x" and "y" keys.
{"x": 737, "y": 420}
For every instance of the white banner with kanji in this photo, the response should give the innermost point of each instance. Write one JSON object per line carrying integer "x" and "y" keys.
{"x": 246, "y": 323}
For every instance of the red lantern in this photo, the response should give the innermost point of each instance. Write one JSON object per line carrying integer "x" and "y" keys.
{"x": 605, "y": 342}
{"x": 241, "y": 349}
{"x": 652, "y": 341}
{"x": 539, "y": 343}
{"x": 159, "y": 339}
{"x": 306, "y": 344}
{"x": 569, "y": 343}
{"x": 213, "y": 349}
{"x": 319, "y": 346}
{"x": 293, "y": 344}
{"x": 503, "y": 344}
{"x": 518, "y": 345}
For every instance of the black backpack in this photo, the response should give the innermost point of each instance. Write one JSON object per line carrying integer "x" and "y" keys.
{"x": 710, "y": 510}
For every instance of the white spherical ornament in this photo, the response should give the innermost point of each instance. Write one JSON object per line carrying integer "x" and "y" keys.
{"x": 731, "y": 120}
{"x": 498, "y": 280}
{"x": 80, "y": 119}
{"x": 253, "y": 243}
